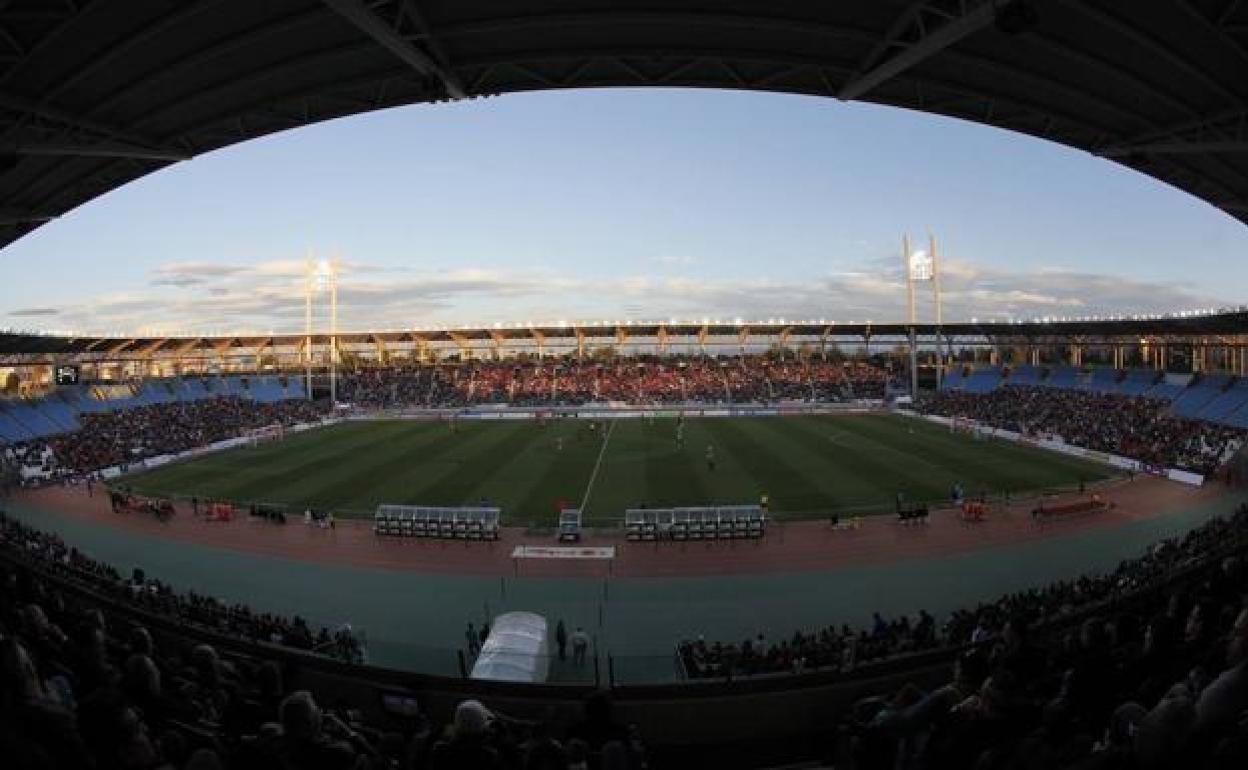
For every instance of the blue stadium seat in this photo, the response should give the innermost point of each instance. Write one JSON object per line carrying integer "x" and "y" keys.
{"x": 1199, "y": 394}
{"x": 953, "y": 378}
{"x": 1065, "y": 377}
{"x": 1102, "y": 380}
{"x": 982, "y": 380}
{"x": 1138, "y": 382}
{"x": 1225, "y": 404}
{"x": 1024, "y": 374}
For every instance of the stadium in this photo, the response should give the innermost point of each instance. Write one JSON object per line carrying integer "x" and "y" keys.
{"x": 785, "y": 542}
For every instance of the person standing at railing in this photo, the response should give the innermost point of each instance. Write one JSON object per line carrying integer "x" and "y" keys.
{"x": 580, "y": 646}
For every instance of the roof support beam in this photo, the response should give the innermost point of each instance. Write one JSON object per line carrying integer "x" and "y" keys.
{"x": 389, "y": 38}
{"x": 24, "y": 106}
{"x": 920, "y": 33}
{"x": 1175, "y": 148}
{"x": 16, "y": 216}
{"x": 103, "y": 150}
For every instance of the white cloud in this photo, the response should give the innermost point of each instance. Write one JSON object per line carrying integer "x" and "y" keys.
{"x": 268, "y": 295}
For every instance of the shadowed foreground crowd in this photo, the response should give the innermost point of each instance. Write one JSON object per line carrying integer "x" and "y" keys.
{"x": 1132, "y": 426}
{"x": 745, "y": 379}
{"x": 82, "y": 688}
{"x": 1130, "y": 670}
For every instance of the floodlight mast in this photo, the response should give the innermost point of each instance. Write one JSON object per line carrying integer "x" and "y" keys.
{"x": 907, "y": 266}
{"x": 924, "y": 267}
{"x": 321, "y": 274}
{"x": 309, "y": 279}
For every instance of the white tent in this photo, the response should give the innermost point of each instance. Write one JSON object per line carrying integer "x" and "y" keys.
{"x": 516, "y": 650}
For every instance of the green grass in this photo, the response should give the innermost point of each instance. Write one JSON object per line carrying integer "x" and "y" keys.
{"x": 808, "y": 465}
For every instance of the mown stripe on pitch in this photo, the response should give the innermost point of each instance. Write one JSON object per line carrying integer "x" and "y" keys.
{"x": 256, "y": 480}
{"x": 458, "y": 484}
{"x": 302, "y": 482}
{"x": 565, "y": 476}
{"x": 769, "y": 471}
{"x": 948, "y": 463}
{"x": 986, "y": 463}
{"x": 376, "y": 473}
{"x": 852, "y": 476}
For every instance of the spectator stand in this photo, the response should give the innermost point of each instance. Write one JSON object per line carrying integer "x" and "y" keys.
{"x": 445, "y": 523}
{"x": 727, "y": 522}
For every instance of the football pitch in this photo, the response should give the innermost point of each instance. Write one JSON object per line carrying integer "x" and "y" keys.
{"x": 807, "y": 466}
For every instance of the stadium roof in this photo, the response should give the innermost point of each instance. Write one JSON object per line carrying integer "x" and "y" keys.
{"x": 96, "y": 94}
{"x": 1210, "y": 327}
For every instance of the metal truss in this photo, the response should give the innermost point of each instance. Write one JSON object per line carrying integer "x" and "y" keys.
{"x": 924, "y": 30}
{"x": 397, "y": 26}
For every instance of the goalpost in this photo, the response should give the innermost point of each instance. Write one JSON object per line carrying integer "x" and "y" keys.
{"x": 256, "y": 436}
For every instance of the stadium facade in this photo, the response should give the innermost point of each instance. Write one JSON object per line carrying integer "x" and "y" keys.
{"x": 1215, "y": 340}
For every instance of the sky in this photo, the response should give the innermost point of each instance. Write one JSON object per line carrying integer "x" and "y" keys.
{"x": 618, "y": 204}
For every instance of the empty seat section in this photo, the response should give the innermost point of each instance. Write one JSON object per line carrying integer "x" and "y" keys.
{"x": 266, "y": 389}
{"x": 1166, "y": 390}
{"x": 1102, "y": 380}
{"x": 58, "y": 411}
{"x": 953, "y": 378}
{"x": 194, "y": 389}
{"x": 1198, "y": 395}
{"x": 982, "y": 380}
{"x": 1066, "y": 377}
{"x": 10, "y": 429}
{"x": 1226, "y": 403}
{"x": 1024, "y": 374}
{"x": 1138, "y": 382}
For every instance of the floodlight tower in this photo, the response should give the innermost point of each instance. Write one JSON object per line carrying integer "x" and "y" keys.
{"x": 921, "y": 267}
{"x": 322, "y": 275}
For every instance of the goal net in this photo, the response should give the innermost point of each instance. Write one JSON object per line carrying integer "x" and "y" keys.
{"x": 255, "y": 436}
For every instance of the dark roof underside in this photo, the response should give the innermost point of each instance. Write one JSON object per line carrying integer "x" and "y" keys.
{"x": 96, "y": 93}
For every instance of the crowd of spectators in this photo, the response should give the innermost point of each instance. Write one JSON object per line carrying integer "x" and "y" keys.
{"x": 743, "y": 379}
{"x": 84, "y": 686}
{"x": 1143, "y": 667}
{"x": 1138, "y": 427}
{"x": 831, "y": 648}
{"x": 118, "y": 438}
{"x": 146, "y": 593}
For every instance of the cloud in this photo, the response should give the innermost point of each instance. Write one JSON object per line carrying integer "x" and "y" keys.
{"x": 675, "y": 260}
{"x": 269, "y": 295}
{"x": 31, "y": 312}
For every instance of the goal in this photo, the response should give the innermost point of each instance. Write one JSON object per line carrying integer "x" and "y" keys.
{"x": 267, "y": 433}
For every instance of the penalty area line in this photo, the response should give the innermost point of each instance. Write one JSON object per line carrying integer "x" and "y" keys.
{"x": 594, "y": 475}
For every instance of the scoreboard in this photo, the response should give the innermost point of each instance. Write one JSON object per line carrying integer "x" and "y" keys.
{"x": 67, "y": 374}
